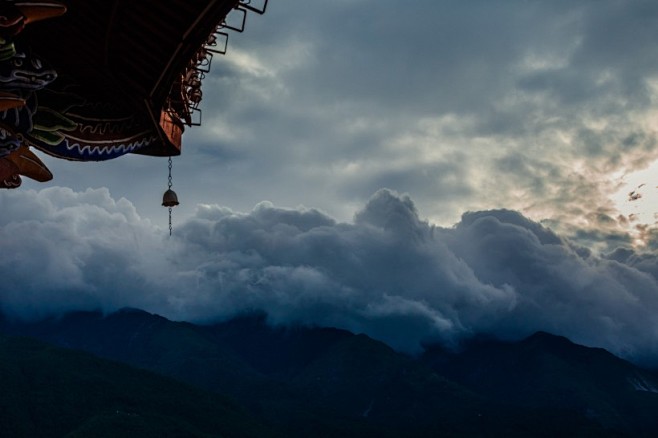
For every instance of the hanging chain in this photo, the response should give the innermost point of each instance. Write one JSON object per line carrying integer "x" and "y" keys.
{"x": 170, "y": 184}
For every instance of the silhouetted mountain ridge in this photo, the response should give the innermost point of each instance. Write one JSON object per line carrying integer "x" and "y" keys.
{"x": 547, "y": 371}
{"x": 47, "y": 391}
{"x": 305, "y": 381}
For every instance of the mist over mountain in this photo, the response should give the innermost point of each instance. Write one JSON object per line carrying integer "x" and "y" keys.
{"x": 389, "y": 274}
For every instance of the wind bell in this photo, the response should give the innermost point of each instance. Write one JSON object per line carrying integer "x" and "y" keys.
{"x": 169, "y": 199}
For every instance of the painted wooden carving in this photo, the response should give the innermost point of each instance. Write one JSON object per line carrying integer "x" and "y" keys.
{"x": 21, "y": 75}
{"x": 69, "y": 126}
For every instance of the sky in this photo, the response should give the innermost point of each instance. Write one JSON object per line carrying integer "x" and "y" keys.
{"x": 418, "y": 172}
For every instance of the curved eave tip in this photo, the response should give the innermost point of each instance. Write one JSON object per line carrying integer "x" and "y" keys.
{"x": 40, "y": 10}
{"x": 29, "y": 165}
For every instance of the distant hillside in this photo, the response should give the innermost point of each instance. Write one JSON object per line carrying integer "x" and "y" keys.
{"x": 546, "y": 372}
{"x": 328, "y": 382}
{"x": 52, "y": 392}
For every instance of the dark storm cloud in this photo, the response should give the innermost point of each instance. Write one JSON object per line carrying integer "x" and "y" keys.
{"x": 528, "y": 105}
{"x": 332, "y": 100}
{"x": 449, "y": 180}
{"x": 389, "y": 273}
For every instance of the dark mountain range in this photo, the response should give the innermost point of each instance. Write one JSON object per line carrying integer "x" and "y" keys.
{"x": 546, "y": 371}
{"x": 329, "y": 382}
{"x": 47, "y": 391}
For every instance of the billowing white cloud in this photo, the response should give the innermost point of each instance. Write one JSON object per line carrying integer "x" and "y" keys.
{"x": 388, "y": 273}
